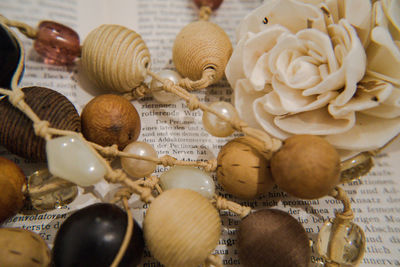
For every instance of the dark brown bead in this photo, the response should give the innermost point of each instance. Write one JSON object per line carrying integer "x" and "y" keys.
{"x": 16, "y": 131}
{"x": 272, "y": 238}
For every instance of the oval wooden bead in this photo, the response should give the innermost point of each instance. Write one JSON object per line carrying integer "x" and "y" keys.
{"x": 115, "y": 58}
{"x": 12, "y": 180}
{"x": 306, "y": 166}
{"x": 242, "y": 169}
{"x": 272, "y": 238}
{"x": 181, "y": 228}
{"x": 201, "y": 45}
{"x": 20, "y": 247}
{"x": 16, "y": 131}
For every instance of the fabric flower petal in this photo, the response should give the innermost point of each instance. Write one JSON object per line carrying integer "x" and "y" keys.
{"x": 369, "y": 133}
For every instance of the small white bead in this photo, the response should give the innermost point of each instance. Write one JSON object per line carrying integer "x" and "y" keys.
{"x": 70, "y": 158}
{"x": 189, "y": 178}
{"x": 158, "y": 93}
{"x": 214, "y": 125}
{"x": 135, "y": 167}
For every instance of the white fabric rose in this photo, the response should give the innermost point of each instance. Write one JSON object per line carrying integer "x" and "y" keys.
{"x": 329, "y": 68}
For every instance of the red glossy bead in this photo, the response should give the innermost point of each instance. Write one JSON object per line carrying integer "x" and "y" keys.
{"x": 57, "y": 43}
{"x": 214, "y": 4}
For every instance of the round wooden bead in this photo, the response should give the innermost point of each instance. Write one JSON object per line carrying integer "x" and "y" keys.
{"x": 213, "y": 4}
{"x": 242, "y": 169}
{"x": 20, "y": 247}
{"x": 12, "y": 180}
{"x": 181, "y": 228}
{"x": 110, "y": 119}
{"x": 16, "y": 131}
{"x": 92, "y": 236}
{"x": 201, "y": 45}
{"x": 115, "y": 58}
{"x": 306, "y": 166}
{"x": 272, "y": 238}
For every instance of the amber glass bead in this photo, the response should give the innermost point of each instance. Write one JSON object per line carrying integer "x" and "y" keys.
{"x": 57, "y": 43}
{"x": 214, "y": 4}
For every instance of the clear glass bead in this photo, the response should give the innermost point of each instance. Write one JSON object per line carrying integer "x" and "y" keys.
{"x": 190, "y": 178}
{"x": 158, "y": 93}
{"x": 57, "y": 43}
{"x": 214, "y": 125}
{"x": 135, "y": 167}
{"x": 70, "y": 158}
{"x": 342, "y": 243}
{"x": 356, "y": 167}
{"x": 52, "y": 198}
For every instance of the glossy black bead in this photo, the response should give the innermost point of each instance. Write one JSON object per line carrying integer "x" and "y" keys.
{"x": 10, "y": 53}
{"x": 93, "y": 235}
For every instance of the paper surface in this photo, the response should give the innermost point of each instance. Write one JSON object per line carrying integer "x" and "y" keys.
{"x": 176, "y": 131}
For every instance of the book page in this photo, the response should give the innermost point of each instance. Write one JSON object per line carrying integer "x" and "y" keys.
{"x": 174, "y": 130}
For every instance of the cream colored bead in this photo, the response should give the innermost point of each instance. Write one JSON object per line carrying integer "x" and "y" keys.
{"x": 135, "y": 167}
{"x": 190, "y": 178}
{"x": 70, "y": 158}
{"x": 216, "y": 126}
{"x": 181, "y": 228}
{"x": 201, "y": 45}
{"x": 157, "y": 91}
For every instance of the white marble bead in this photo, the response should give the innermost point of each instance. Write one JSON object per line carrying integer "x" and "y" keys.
{"x": 135, "y": 167}
{"x": 216, "y": 126}
{"x": 70, "y": 158}
{"x": 189, "y": 178}
{"x": 158, "y": 93}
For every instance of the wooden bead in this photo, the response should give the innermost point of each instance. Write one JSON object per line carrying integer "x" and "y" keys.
{"x": 181, "y": 228}
{"x": 242, "y": 169}
{"x": 16, "y": 131}
{"x": 20, "y": 247}
{"x": 12, "y": 180}
{"x": 306, "y": 166}
{"x": 199, "y": 46}
{"x": 272, "y": 238}
{"x": 115, "y": 58}
{"x": 110, "y": 119}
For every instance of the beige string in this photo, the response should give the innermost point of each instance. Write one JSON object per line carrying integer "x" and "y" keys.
{"x": 24, "y": 28}
{"x": 166, "y": 160}
{"x": 205, "y": 12}
{"x": 127, "y": 237}
{"x": 138, "y": 93}
{"x": 271, "y": 144}
{"x": 207, "y": 78}
{"x": 213, "y": 260}
{"x": 224, "y": 204}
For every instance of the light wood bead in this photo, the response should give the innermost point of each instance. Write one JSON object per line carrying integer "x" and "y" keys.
{"x": 181, "y": 228}
{"x": 201, "y": 45}
{"x": 115, "y": 58}
{"x": 306, "y": 166}
{"x": 242, "y": 169}
{"x": 21, "y": 247}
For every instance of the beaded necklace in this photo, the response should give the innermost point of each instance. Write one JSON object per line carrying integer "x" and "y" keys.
{"x": 200, "y": 54}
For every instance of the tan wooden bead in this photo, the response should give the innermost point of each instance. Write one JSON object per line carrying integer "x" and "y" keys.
{"x": 306, "y": 166}
{"x": 201, "y": 45}
{"x": 181, "y": 228}
{"x": 19, "y": 247}
{"x": 12, "y": 180}
{"x": 242, "y": 169}
{"x": 110, "y": 119}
